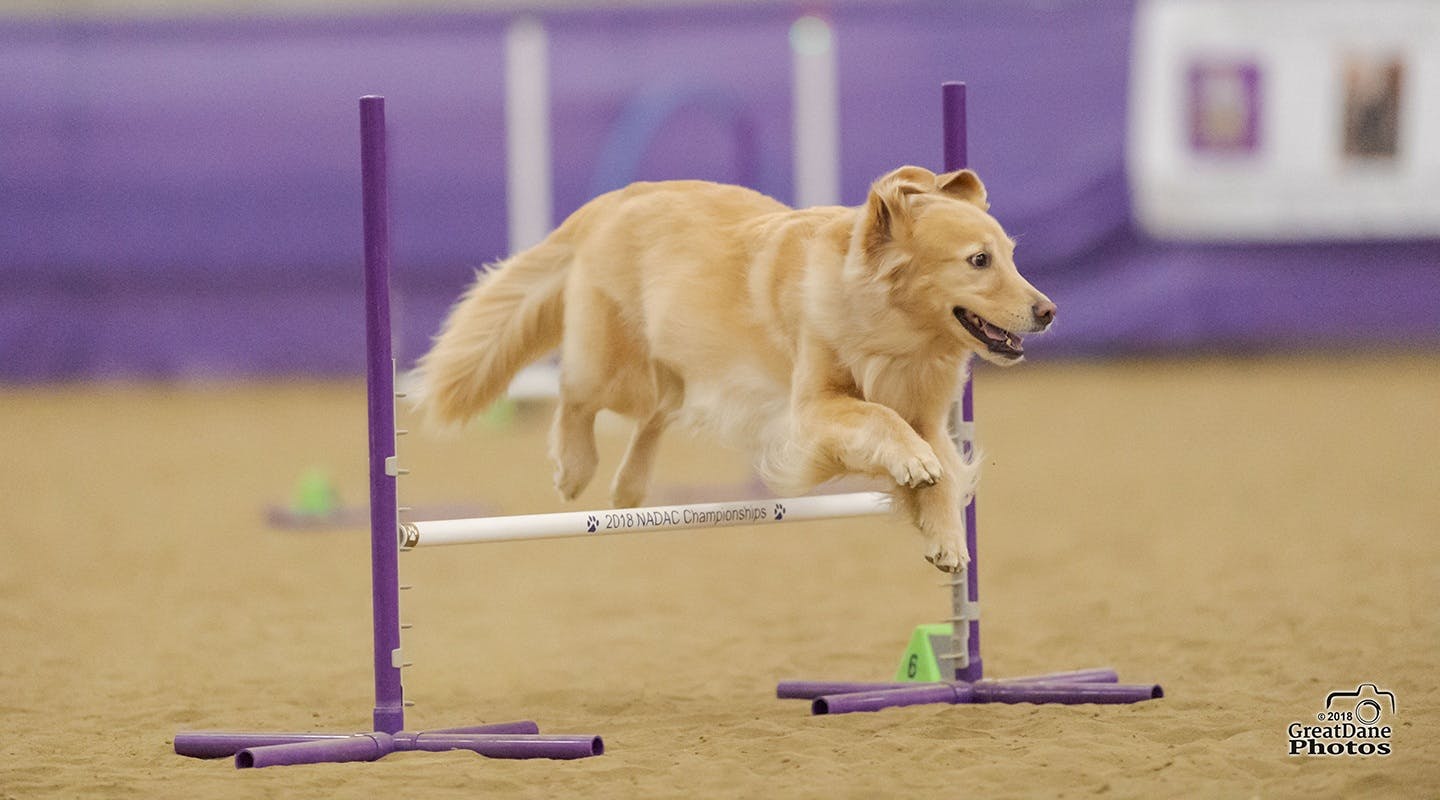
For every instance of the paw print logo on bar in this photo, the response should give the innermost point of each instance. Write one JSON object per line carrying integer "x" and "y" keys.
{"x": 779, "y": 512}
{"x": 591, "y": 523}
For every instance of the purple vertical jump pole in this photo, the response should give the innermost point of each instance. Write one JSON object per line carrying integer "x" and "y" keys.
{"x": 520, "y": 739}
{"x": 380, "y": 390}
{"x": 956, "y": 156}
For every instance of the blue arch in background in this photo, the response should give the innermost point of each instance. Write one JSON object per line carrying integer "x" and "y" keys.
{"x": 646, "y": 115}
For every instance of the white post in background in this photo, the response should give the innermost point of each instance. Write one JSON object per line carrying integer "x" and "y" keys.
{"x": 527, "y": 132}
{"x": 815, "y": 102}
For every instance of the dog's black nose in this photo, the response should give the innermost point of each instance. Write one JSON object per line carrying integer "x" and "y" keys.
{"x": 1044, "y": 312}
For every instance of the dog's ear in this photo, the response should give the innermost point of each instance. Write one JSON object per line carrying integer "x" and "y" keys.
{"x": 888, "y": 207}
{"x": 964, "y": 185}
{"x": 922, "y": 179}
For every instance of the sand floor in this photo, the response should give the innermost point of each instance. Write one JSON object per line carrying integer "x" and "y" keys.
{"x": 1252, "y": 534}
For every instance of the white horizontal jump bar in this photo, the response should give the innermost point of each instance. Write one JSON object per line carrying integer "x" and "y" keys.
{"x": 640, "y": 520}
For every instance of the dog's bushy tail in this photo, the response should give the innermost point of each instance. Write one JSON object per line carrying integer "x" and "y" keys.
{"x": 792, "y": 467}
{"x": 511, "y": 316}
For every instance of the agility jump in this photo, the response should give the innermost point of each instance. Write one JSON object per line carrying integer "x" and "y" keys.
{"x": 389, "y": 536}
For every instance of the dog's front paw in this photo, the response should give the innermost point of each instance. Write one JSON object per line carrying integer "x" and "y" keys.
{"x": 918, "y": 468}
{"x": 947, "y": 553}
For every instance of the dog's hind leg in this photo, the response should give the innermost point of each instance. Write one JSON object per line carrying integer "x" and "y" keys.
{"x": 572, "y": 445}
{"x": 632, "y": 479}
{"x": 586, "y": 367}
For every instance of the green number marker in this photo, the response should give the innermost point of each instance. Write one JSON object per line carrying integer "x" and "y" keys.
{"x": 919, "y": 662}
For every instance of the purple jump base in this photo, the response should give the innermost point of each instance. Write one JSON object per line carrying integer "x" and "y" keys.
{"x": 222, "y": 744}
{"x": 809, "y": 690}
{"x": 501, "y": 740}
{"x": 1072, "y": 688}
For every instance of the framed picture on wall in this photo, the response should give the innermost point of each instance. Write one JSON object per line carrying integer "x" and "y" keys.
{"x": 1224, "y": 107}
{"x": 1372, "y": 87}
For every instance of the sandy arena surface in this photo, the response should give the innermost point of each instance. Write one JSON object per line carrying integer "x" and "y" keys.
{"x": 1252, "y": 534}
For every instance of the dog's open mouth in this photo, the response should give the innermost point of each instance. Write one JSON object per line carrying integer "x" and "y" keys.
{"x": 996, "y": 339}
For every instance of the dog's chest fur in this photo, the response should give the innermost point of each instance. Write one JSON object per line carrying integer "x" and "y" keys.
{"x": 913, "y": 387}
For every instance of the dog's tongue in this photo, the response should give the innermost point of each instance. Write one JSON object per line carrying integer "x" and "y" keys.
{"x": 998, "y": 334}
{"x": 1001, "y": 335}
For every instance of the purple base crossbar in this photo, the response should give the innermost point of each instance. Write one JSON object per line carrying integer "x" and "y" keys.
{"x": 500, "y": 740}
{"x": 969, "y": 686}
{"x": 1080, "y": 686}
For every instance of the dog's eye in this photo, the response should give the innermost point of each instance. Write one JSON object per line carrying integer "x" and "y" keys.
{"x": 980, "y": 260}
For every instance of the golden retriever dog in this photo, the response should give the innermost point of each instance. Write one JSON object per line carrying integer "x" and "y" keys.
{"x": 828, "y": 341}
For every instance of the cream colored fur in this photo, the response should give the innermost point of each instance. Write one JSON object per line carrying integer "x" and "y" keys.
{"x": 825, "y": 340}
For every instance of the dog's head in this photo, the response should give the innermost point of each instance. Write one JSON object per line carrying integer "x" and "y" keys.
{"x": 946, "y": 265}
